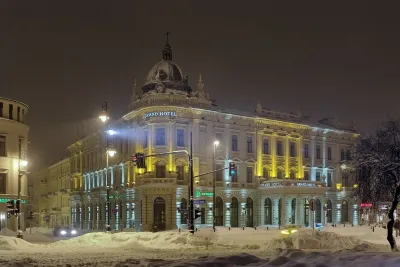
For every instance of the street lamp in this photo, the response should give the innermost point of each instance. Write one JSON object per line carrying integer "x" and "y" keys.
{"x": 215, "y": 145}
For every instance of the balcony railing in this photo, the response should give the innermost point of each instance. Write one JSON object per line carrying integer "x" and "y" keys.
{"x": 292, "y": 183}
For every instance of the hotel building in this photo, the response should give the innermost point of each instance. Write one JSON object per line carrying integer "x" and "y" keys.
{"x": 284, "y": 160}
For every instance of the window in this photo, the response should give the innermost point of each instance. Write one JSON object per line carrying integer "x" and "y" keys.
{"x": 218, "y": 174}
{"x": 234, "y": 178}
{"x": 329, "y": 153}
{"x": 145, "y": 140}
{"x": 180, "y": 137}
{"x": 292, "y": 149}
{"x": 1, "y": 109}
{"x": 234, "y": 143}
{"x": 318, "y": 152}
{"x": 306, "y": 151}
{"x": 292, "y": 174}
{"x": 280, "y": 174}
{"x": 265, "y": 147}
{"x": 279, "y": 148}
{"x": 18, "y": 113}
{"x": 218, "y": 136}
{"x": 345, "y": 179}
{"x": 3, "y": 181}
{"x": 329, "y": 179}
{"x": 3, "y": 146}
{"x": 307, "y": 175}
{"x": 318, "y": 176}
{"x": 249, "y": 174}
{"x": 348, "y": 154}
{"x": 266, "y": 173}
{"x": 180, "y": 172}
{"x": 23, "y": 115}
{"x": 160, "y": 137}
{"x": 249, "y": 144}
{"x": 10, "y": 111}
{"x": 160, "y": 171}
{"x": 342, "y": 154}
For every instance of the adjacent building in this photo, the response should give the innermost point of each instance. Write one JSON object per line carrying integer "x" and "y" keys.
{"x": 13, "y": 159}
{"x": 284, "y": 160}
{"x": 50, "y": 198}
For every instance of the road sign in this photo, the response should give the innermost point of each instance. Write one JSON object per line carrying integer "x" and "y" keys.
{"x": 199, "y": 201}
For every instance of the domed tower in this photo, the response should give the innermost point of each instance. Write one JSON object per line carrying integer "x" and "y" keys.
{"x": 165, "y": 74}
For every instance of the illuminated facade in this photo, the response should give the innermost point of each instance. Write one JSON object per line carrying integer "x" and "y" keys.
{"x": 283, "y": 162}
{"x": 13, "y": 151}
{"x": 50, "y": 198}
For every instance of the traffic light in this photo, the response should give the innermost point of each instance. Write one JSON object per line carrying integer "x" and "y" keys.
{"x": 10, "y": 208}
{"x": 140, "y": 160}
{"x": 232, "y": 169}
{"x": 197, "y": 214}
{"x": 18, "y": 207}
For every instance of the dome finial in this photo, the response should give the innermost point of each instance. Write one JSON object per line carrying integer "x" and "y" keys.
{"x": 167, "y": 51}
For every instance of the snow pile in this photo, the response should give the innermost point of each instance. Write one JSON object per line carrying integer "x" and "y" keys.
{"x": 7, "y": 232}
{"x": 308, "y": 239}
{"x": 13, "y": 243}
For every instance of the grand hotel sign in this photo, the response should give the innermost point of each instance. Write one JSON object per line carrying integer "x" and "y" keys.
{"x": 160, "y": 114}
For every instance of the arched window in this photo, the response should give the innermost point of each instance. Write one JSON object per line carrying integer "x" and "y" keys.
{"x": 318, "y": 211}
{"x": 280, "y": 211}
{"x": 219, "y": 211}
{"x": 267, "y": 211}
{"x": 280, "y": 174}
{"x": 160, "y": 170}
{"x": 293, "y": 213}
{"x": 234, "y": 212}
{"x": 329, "y": 211}
{"x": 345, "y": 211}
{"x": 184, "y": 211}
{"x": 306, "y": 212}
{"x": 292, "y": 174}
{"x": 249, "y": 212}
{"x": 266, "y": 173}
{"x": 159, "y": 214}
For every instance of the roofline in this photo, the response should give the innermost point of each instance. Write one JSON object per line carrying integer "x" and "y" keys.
{"x": 16, "y": 101}
{"x": 58, "y": 162}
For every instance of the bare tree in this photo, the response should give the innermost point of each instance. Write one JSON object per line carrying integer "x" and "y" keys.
{"x": 377, "y": 163}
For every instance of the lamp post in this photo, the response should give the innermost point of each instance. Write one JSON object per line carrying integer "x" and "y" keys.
{"x": 215, "y": 145}
{"x": 21, "y": 163}
{"x": 110, "y": 152}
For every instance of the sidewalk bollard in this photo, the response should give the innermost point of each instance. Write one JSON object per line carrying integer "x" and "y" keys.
{"x": 229, "y": 228}
{"x": 179, "y": 230}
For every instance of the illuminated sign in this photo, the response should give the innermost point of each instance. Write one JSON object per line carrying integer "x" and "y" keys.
{"x": 203, "y": 194}
{"x": 365, "y": 205}
{"x": 305, "y": 184}
{"x": 159, "y": 114}
{"x": 271, "y": 184}
{"x": 5, "y": 200}
{"x": 288, "y": 183}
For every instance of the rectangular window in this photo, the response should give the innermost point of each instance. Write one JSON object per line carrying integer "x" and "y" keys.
{"x": 348, "y": 154}
{"x": 180, "y": 172}
{"x": 180, "y": 137}
{"x": 234, "y": 143}
{"x": 160, "y": 171}
{"x": 145, "y": 140}
{"x": 3, "y": 182}
{"x": 18, "y": 113}
{"x": 342, "y": 154}
{"x": 265, "y": 173}
{"x": 318, "y": 176}
{"x": 318, "y": 152}
{"x": 265, "y": 147}
{"x": 329, "y": 153}
{"x": 249, "y": 144}
{"x": 329, "y": 180}
{"x": 279, "y": 148}
{"x": 345, "y": 179}
{"x": 249, "y": 175}
{"x": 10, "y": 111}
{"x": 219, "y": 174}
{"x": 218, "y": 137}
{"x": 3, "y": 146}
{"x": 307, "y": 175}
{"x": 306, "y": 155}
{"x": 160, "y": 137}
{"x": 292, "y": 149}
{"x": 1, "y": 109}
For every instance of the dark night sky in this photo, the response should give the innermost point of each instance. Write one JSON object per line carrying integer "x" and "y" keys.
{"x": 64, "y": 60}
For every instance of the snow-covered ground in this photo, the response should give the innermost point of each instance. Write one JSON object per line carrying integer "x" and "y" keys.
{"x": 335, "y": 246}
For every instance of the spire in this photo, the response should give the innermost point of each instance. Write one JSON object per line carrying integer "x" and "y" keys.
{"x": 200, "y": 84}
{"x": 167, "y": 51}
{"x": 135, "y": 92}
{"x": 258, "y": 107}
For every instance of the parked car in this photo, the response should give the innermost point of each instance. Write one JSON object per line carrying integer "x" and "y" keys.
{"x": 62, "y": 231}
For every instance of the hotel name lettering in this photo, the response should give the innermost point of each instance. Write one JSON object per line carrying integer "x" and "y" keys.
{"x": 284, "y": 183}
{"x": 160, "y": 114}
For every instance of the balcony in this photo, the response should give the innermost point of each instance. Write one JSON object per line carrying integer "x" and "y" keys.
{"x": 157, "y": 181}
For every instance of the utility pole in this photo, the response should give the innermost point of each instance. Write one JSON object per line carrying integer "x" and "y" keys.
{"x": 191, "y": 191}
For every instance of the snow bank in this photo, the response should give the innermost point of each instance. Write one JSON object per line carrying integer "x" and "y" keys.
{"x": 308, "y": 239}
{"x": 13, "y": 243}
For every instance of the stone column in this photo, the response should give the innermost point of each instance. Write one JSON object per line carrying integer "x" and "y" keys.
{"x": 273, "y": 154}
{"x": 259, "y": 157}
{"x": 287, "y": 154}
{"x": 283, "y": 211}
{"x": 312, "y": 150}
{"x": 300, "y": 169}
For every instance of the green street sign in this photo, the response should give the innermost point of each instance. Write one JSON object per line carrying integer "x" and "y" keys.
{"x": 203, "y": 194}
{"x": 5, "y": 200}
